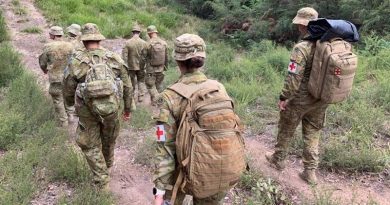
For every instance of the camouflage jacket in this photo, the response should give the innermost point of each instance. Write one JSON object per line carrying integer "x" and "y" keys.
{"x": 298, "y": 70}
{"x": 155, "y": 69}
{"x": 171, "y": 107}
{"x": 76, "y": 42}
{"x": 134, "y": 53}
{"x": 54, "y": 59}
{"x": 77, "y": 70}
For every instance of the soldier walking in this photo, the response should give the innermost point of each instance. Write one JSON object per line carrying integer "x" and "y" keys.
{"x": 297, "y": 105}
{"x": 74, "y": 33}
{"x": 53, "y": 61}
{"x": 156, "y": 63}
{"x": 95, "y": 83}
{"x": 134, "y": 54}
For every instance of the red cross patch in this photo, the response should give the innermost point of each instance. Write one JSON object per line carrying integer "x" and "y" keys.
{"x": 160, "y": 133}
{"x": 337, "y": 71}
{"x": 293, "y": 67}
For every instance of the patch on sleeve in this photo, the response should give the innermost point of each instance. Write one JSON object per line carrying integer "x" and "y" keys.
{"x": 296, "y": 56}
{"x": 293, "y": 67}
{"x": 160, "y": 133}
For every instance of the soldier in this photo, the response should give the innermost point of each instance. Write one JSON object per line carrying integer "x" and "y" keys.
{"x": 93, "y": 83}
{"x": 134, "y": 54}
{"x": 297, "y": 105}
{"x": 190, "y": 56}
{"x": 74, "y": 32}
{"x": 53, "y": 61}
{"x": 157, "y": 63}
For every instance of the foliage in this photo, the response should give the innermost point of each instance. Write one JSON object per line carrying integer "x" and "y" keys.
{"x": 3, "y": 31}
{"x": 32, "y": 30}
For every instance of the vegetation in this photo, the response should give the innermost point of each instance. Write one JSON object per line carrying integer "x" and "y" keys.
{"x": 32, "y": 30}
{"x": 36, "y": 151}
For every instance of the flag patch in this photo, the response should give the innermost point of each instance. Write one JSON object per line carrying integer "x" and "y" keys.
{"x": 160, "y": 133}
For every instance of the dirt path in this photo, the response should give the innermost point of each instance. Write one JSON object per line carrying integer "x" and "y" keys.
{"x": 345, "y": 189}
{"x": 130, "y": 184}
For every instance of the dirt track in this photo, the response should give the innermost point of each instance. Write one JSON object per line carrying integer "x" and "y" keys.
{"x": 131, "y": 184}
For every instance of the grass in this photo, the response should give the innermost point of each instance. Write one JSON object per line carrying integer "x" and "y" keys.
{"x": 32, "y": 30}
{"x": 18, "y": 8}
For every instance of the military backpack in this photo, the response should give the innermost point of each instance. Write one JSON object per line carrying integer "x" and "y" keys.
{"x": 333, "y": 71}
{"x": 209, "y": 145}
{"x": 158, "y": 54}
{"x": 101, "y": 91}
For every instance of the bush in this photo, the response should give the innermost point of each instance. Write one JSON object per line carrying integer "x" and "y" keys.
{"x": 10, "y": 66}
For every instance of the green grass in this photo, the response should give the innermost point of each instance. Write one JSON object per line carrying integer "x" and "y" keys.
{"x": 3, "y": 30}
{"x": 32, "y": 30}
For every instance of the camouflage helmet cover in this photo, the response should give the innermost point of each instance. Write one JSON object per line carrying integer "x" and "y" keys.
{"x": 74, "y": 29}
{"x": 304, "y": 15}
{"x": 90, "y": 32}
{"x": 56, "y": 31}
{"x": 152, "y": 29}
{"x": 136, "y": 28}
{"x": 188, "y": 46}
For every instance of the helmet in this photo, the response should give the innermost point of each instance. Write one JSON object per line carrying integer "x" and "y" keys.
{"x": 74, "y": 29}
{"x": 152, "y": 29}
{"x": 90, "y": 32}
{"x": 304, "y": 15}
{"x": 136, "y": 28}
{"x": 56, "y": 31}
{"x": 188, "y": 46}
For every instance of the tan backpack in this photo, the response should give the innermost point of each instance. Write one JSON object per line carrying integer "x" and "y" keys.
{"x": 333, "y": 70}
{"x": 209, "y": 145}
{"x": 158, "y": 50}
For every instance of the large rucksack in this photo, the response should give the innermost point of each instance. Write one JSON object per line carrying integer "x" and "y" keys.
{"x": 158, "y": 54}
{"x": 101, "y": 91}
{"x": 333, "y": 71}
{"x": 209, "y": 145}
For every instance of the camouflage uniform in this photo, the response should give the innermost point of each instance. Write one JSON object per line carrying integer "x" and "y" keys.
{"x": 301, "y": 105}
{"x": 74, "y": 36}
{"x": 134, "y": 54}
{"x": 95, "y": 136}
{"x": 155, "y": 74}
{"x": 53, "y": 61}
{"x": 171, "y": 107}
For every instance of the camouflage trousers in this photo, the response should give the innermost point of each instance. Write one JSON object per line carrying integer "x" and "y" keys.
{"x": 311, "y": 113}
{"x": 96, "y": 137}
{"x": 139, "y": 77}
{"x": 154, "y": 83}
{"x": 216, "y": 199}
{"x": 62, "y": 111}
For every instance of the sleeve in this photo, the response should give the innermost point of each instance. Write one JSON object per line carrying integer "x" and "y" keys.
{"x": 125, "y": 54}
{"x": 43, "y": 60}
{"x": 296, "y": 68}
{"x": 165, "y": 163}
{"x": 69, "y": 84}
{"x": 143, "y": 56}
{"x": 127, "y": 86}
{"x": 166, "y": 57}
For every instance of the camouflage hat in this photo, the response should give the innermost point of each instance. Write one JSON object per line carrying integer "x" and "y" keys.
{"x": 136, "y": 28}
{"x": 188, "y": 46}
{"x": 304, "y": 15}
{"x": 90, "y": 32}
{"x": 56, "y": 31}
{"x": 152, "y": 29}
{"x": 74, "y": 29}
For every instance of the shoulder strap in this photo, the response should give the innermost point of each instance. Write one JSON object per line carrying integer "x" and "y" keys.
{"x": 188, "y": 90}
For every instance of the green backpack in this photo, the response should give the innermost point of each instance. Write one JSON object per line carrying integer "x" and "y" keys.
{"x": 102, "y": 91}
{"x": 158, "y": 50}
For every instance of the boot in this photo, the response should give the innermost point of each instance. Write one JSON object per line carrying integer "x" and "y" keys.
{"x": 277, "y": 164}
{"x": 309, "y": 176}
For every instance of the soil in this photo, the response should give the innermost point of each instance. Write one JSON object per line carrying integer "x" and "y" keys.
{"x": 131, "y": 183}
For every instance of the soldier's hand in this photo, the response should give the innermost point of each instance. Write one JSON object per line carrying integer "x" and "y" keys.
{"x": 126, "y": 116}
{"x": 159, "y": 200}
{"x": 282, "y": 105}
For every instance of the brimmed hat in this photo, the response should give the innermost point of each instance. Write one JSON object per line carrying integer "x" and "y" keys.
{"x": 136, "y": 28}
{"x": 74, "y": 29}
{"x": 188, "y": 46}
{"x": 90, "y": 32}
{"x": 152, "y": 29}
{"x": 304, "y": 15}
{"x": 56, "y": 31}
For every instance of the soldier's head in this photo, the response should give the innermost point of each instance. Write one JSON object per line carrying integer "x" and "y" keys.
{"x": 136, "y": 30}
{"x": 56, "y": 32}
{"x": 189, "y": 52}
{"x": 304, "y": 15}
{"x": 74, "y": 30}
{"x": 152, "y": 31}
{"x": 91, "y": 36}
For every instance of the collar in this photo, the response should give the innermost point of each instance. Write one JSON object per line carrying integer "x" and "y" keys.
{"x": 194, "y": 77}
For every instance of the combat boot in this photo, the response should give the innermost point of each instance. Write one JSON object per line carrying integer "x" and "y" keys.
{"x": 309, "y": 176}
{"x": 277, "y": 164}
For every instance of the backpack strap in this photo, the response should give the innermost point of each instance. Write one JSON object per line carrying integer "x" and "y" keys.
{"x": 188, "y": 90}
